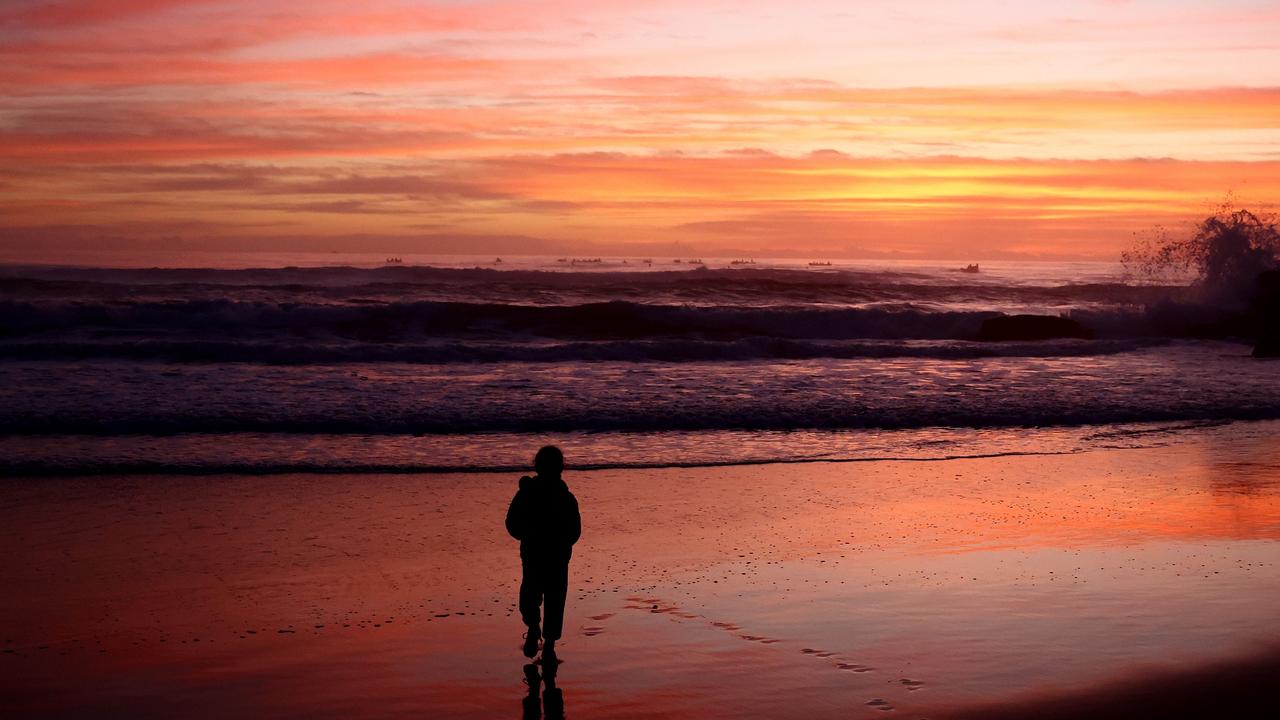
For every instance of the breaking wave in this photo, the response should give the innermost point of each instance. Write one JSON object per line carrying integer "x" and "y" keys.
{"x": 667, "y": 351}
{"x": 225, "y": 330}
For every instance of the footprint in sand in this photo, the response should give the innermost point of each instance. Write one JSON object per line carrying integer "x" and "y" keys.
{"x": 911, "y": 685}
{"x": 758, "y": 638}
{"x": 592, "y": 631}
{"x": 880, "y": 704}
{"x": 840, "y": 665}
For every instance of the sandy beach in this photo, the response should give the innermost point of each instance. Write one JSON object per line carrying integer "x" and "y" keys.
{"x": 854, "y": 360}
{"x": 1103, "y": 583}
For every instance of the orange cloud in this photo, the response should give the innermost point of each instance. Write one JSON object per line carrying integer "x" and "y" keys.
{"x": 823, "y": 203}
{"x": 578, "y": 121}
{"x": 332, "y": 72}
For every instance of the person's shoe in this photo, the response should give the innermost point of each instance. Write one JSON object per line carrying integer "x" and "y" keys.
{"x": 531, "y": 642}
{"x": 549, "y": 654}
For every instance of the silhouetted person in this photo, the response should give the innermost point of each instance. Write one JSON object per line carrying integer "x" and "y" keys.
{"x": 544, "y": 517}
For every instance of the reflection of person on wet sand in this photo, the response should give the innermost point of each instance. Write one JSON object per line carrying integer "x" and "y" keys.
{"x": 552, "y": 705}
{"x": 544, "y": 517}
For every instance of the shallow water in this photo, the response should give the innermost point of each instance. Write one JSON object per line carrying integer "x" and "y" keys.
{"x": 114, "y": 416}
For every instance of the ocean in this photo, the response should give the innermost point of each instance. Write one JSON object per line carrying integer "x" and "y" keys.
{"x": 354, "y": 364}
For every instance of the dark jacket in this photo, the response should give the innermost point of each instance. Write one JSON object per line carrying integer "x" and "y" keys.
{"x": 544, "y": 517}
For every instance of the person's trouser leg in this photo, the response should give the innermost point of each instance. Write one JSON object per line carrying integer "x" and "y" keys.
{"x": 530, "y": 592}
{"x": 555, "y": 590}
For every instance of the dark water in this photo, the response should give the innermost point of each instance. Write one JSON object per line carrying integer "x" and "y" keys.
{"x": 404, "y": 367}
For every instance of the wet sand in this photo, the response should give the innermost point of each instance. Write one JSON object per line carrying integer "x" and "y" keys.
{"x": 1113, "y": 583}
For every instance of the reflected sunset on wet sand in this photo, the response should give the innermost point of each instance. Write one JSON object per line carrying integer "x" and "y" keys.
{"x": 754, "y": 591}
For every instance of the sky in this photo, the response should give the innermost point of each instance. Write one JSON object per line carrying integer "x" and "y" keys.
{"x": 969, "y": 129}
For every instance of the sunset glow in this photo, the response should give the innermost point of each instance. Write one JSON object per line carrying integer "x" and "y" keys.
{"x": 971, "y": 129}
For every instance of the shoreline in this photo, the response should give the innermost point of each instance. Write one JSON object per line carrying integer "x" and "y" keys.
{"x": 982, "y": 443}
{"x": 144, "y": 470}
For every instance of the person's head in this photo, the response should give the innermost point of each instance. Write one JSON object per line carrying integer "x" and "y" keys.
{"x": 549, "y": 461}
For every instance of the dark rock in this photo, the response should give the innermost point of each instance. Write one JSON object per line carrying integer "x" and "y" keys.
{"x": 1268, "y": 305}
{"x": 1269, "y": 283}
{"x": 1268, "y": 346}
{"x": 1031, "y": 327}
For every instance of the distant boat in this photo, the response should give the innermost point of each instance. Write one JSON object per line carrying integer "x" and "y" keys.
{"x": 497, "y": 260}
{"x": 816, "y": 263}
{"x": 742, "y": 262}
{"x": 394, "y": 261}
{"x": 971, "y": 268}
